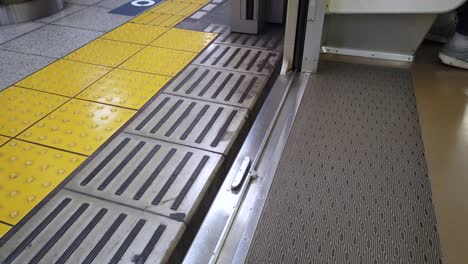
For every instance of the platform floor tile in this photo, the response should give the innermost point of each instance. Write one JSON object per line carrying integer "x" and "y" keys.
{"x": 64, "y": 77}
{"x": 194, "y": 123}
{"x": 105, "y": 52}
{"x": 187, "y": 40}
{"x": 28, "y": 173}
{"x": 23, "y": 107}
{"x": 74, "y": 228}
{"x": 125, "y": 88}
{"x": 159, "y": 61}
{"x": 153, "y": 175}
{"x": 4, "y": 229}
{"x": 78, "y": 126}
{"x": 210, "y": 84}
{"x": 3, "y": 140}
{"x": 155, "y": 19}
{"x": 135, "y": 33}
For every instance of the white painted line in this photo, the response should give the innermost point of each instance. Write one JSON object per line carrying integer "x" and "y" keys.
{"x": 198, "y": 15}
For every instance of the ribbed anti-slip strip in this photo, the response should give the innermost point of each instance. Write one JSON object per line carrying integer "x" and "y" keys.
{"x": 352, "y": 184}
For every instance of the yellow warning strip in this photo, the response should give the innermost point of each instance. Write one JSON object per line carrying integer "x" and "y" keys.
{"x": 52, "y": 120}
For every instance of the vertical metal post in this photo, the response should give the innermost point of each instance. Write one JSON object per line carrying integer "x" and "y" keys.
{"x": 313, "y": 38}
{"x": 290, "y": 36}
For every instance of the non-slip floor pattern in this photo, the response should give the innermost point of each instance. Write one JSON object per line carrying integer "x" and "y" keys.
{"x": 352, "y": 184}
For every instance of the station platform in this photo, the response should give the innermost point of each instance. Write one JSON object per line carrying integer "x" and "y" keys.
{"x": 118, "y": 132}
{"x": 120, "y": 135}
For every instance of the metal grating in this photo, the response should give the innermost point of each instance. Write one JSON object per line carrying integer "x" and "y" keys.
{"x": 352, "y": 184}
{"x": 226, "y": 87}
{"x": 270, "y": 39}
{"x": 156, "y": 176}
{"x": 239, "y": 59}
{"x": 74, "y": 228}
{"x": 190, "y": 122}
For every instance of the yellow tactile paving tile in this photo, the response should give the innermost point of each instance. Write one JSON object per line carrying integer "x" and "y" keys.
{"x": 190, "y": 9}
{"x": 125, "y": 88}
{"x": 20, "y": 108}
{"x": 105, "y": 52}
{"x": 3, "y": 140}
{"x": 135, "y": 33}
{"x": 4, "y": 229}
{"x": 64, "y": 77}
{"x": 186, "y": 40}
{"x": 159, "y": 61}
{"x": 191, "y": 1}
{"x": 78, "y": 126}
{"x": 170, "y": 8}
{"x": 155, "y": 19}
{"x": 28, "y": 173}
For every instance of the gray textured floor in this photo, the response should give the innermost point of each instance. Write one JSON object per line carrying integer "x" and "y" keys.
{"x": 352, "y": 185}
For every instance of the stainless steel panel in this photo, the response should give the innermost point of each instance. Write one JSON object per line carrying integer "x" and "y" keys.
{"x": 239, "y": 59}
{"x": 199, "y": 124}
{"x": 225, "y": 87}
{"x": 152, "y": 175}
{"x": 75, "y": 228}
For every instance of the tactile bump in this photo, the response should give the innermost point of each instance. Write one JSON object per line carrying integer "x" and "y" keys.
{"x": 186, "y": 40}
{"x": 28, "y": 173}
{"x": 135, "y": 33}
{"x": 23, "y": 107}
{"x": 159, "y": 61}
{"x": 78, "y": 126}
{"x": 105, "y": 52}
{"x": 125, "y": 88}
{"x": 64, "y": 77}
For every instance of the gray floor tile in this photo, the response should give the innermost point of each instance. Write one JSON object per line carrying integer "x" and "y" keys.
{"x": 12, "y": 31}
{"x": 68, "y": 10}
{"x": 111, "y": 4}
{"x": 51, "y": 41}
{"x": 16, "y": 66}
{"x": 84, "y": 2}
{"x": 94, "y": 18}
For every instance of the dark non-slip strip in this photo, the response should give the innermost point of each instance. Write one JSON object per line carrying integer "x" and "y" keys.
{"x": 209, "y": 125}
{"x": 197, "y": 82}
{"x": 276, "y": 43}
{"x": 81, "y": 237}
{"x": 27, "y": 241}
{"x": 153, "y": 175}
{"x": 121, "y": 165}
{"x": 247, "y": 91}
{"x": 106, "y": 160}
{"x": 195, "y": 122}
{"x": 166, "y": 117}
{"x": 209, "y": 84}
{"x": 179, "y": 120}
{"x": 254, "y": 59}
{"x": 151, "y": 244}
{"x": 137, "y": 170}
{"x": 234, "y": 89}
{"x": 257, "y": 39}
{"x": 248, "y": 37}
{"x": 223, "y": 129}
{"x": 104, "y": 239}
{"x": 209, "y": 55}
{"x": 181, "y": 84}
{"x": 267, "y": 40}
{"x": 242, "y": 59}
{"x": 228, "y": 61}
{"x": 152, "y": 114}
{"x": 265, "y": 61}
{"x": 172, "y": 178}
{"x": 226, "y": 49}
{"x": 181, "y": 196}
{"x": 235, "y": 37}
{"x": 127, "y": 242}
{"x": 64, "y": 228}
{"x": 221, "y": 87}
